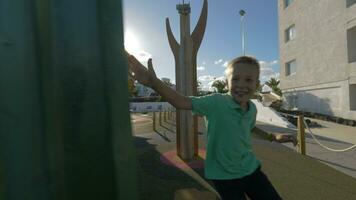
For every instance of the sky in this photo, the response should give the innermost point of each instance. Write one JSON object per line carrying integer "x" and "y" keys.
{"x": 146, "y": 37}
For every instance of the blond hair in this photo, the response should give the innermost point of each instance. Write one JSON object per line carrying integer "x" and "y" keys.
{"x": 242, "y": 60}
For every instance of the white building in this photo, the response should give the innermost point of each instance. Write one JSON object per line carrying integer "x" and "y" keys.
{"x": 318, "y": 55}
{"x": 143, "y": 91}
{"x": 167, "y": 80}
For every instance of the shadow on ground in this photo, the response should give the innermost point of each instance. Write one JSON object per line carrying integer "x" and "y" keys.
{"x": 158, "y": 180}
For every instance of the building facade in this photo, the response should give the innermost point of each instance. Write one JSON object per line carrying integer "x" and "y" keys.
{"x": 317, "y": 41}
{"x": 144, "y": 91}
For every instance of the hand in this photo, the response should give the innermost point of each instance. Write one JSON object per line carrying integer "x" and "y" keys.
{"x": 140, "y": 72}
{"x": 281, "y": 138}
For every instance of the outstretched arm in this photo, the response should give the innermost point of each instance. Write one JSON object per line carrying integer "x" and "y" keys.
{"x": 148, "y": 77}
{"x": 280, "y": 137}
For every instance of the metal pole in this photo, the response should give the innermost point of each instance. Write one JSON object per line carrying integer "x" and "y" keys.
{"x": 242, "y": 13}
{"x": 49, "y": 146}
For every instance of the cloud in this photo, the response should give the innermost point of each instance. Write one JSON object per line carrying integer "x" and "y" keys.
{"x": 221, "y": 78}
{"x": 142, "y": 56}
{"x": 217, "y": 62}
{"x": 206, "y": 87}
{"x": 267, "y": 71}
{"x": 206, "y": 82}
{"x": 225, "y": 64}
{"x": 265, "y": 64}
{"x": 221, "y": 62}
{"x": 201, "y": 68}
{"x": 206, "y": 78}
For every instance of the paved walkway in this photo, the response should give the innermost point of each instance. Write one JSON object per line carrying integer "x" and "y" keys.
{"x": 330, "y": 134}
{"x": 335, "y": 131}
{"x": 295, "y": 176}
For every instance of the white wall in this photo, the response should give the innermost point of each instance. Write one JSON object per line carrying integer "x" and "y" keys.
{"x": 324, "y": 42}
{"x": 150, "y": 106}
{"x": 335, "y": 99}
{"x": 270, "y": 116}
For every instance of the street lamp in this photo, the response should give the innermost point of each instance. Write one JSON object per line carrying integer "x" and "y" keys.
{"x": 242, "y": 14}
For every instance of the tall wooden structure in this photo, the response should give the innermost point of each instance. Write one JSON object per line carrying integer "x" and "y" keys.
{"x": 185, "y": 55}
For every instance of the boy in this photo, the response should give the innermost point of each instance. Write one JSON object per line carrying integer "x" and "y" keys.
{"x": 230, "y": 162}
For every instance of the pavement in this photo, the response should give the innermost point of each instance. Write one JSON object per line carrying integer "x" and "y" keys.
{"x": 332, "y": 135}
{"x": 319, "y": 175}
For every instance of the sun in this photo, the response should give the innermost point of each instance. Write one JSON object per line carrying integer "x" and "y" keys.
{"x": 132, "y": 44}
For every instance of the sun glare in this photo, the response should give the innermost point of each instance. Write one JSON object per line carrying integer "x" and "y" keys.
{"x": 132, "y": 45}
{"x": 131, "y": 42}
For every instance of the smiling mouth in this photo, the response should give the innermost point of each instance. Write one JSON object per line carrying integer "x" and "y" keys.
{"x": 241, "y": 93}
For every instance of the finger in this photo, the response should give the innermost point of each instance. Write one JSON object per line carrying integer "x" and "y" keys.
{"x": 127, "y": 53}
{"x": 132, "y": 58}
{"x": 149, "y": 65}
{"x": 131, "y": 66}
{"x": 130, "y": 72}
{"x": 134, "y": 64}
{"x": 132, "y": 75}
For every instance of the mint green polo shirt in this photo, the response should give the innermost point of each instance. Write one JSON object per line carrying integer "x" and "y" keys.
{"x": 228, "y": 152}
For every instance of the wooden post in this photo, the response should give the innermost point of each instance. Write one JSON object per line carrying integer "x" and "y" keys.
{"x": 160, "y": 118}
{"x": 196, "y": 143}
{"x": 165, "y": 116}
{"x": 154, "y": 121}
{"x": 301, "y": 135}
{"x": 185, "y": 56}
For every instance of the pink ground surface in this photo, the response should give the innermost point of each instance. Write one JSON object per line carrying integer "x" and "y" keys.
{"x": 172, "y": 159}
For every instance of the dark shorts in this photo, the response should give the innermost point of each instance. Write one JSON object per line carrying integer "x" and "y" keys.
{"x": 256, "y": 186}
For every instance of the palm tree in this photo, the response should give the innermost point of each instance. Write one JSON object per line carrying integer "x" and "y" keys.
{"x": 220, "y": 85}
{"x": 274, "y": 83}
{"x": 131, "y": 87}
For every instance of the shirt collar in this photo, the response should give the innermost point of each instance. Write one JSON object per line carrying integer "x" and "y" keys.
{"x": 232, "y": 104}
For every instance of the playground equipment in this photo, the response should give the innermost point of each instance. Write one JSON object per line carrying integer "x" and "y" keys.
{"x": 185, "y": 55}
{"x": 64, "y": 120}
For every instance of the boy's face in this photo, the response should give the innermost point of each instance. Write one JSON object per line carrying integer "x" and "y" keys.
{"x": 243, "y": 82}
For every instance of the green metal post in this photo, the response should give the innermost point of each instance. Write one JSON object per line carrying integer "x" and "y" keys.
{"x": 65, "y": 129}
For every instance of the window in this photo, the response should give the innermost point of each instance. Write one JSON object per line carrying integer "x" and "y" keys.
{"x": 351, "y": 44}
{"x": 287, "y": 3}
{"x": 350, "y": 2}
{"x": 291, "y": 67}
{"x": 353, "y": 97}
{"x": 289, "y": 33}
